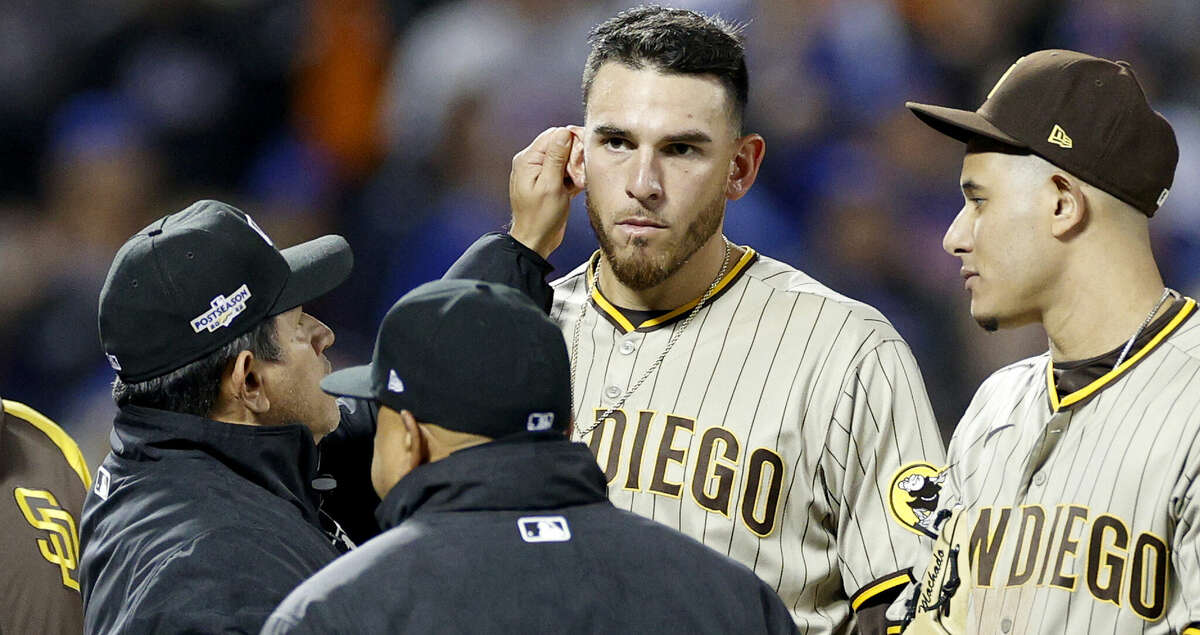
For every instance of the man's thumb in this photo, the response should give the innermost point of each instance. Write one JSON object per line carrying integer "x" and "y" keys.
{"x": 559, "y": 150}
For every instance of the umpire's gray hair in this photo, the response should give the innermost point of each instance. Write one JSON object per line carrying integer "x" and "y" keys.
{"x": 193, "y": 389}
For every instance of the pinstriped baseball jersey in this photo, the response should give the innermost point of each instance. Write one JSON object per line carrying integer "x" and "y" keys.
{"x": 770, "y": 432}
{"x": 1085, "y": 506}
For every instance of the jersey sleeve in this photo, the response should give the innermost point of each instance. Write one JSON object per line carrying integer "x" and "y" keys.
{"x": 1185, "y": 552}
{"x": 883, "y": 430}
{"x": 502, "y": 259}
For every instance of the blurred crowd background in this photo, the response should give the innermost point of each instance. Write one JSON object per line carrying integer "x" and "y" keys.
{"x": 394, "y": 123}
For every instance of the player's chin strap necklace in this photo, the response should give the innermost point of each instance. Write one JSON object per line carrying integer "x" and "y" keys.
{"x": 1128, "y": 345}
{"x": 657, "y": 362}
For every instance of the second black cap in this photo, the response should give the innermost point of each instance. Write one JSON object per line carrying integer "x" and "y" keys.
{"x": 470, "y": 356}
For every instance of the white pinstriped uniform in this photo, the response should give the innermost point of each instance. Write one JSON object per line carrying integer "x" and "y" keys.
{"x": 770, "y": 432}
{"x": 1093, "y": 528}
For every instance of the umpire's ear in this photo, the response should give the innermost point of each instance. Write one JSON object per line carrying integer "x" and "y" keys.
{"x": 242, "y": 396}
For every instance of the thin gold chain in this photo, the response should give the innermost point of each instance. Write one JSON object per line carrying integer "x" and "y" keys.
{"x": 661, "y": 356}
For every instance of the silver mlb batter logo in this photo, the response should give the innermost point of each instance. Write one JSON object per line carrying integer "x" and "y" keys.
{"x": 544, "y": 529}
{"x": 103, "y": 483}
{"x": 223, "y": 310}
{"x": 538, "y": 421}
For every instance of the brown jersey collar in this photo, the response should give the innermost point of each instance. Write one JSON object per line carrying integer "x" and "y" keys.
{"x": 1079, "y": 380}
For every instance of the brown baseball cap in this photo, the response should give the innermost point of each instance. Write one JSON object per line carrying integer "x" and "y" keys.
{"x": 1085, "y": 114}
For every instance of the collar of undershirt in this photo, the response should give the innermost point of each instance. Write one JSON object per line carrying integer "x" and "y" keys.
{"x": 1080, "y": 380}
{"x": 630, "y": 320}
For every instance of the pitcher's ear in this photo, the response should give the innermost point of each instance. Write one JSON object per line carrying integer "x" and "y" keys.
{"x": 576, "y": 161}
{"x": 743, "y": 168}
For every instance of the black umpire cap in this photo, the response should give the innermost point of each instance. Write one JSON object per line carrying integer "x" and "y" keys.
{"x": 195, "y": 280}
{"x": 470, "y": 356}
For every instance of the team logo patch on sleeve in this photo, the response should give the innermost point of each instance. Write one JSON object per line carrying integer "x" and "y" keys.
{"x": 913, "y": 497}
{"x": 223, "y": 310}
{"x": 60, "y": 545}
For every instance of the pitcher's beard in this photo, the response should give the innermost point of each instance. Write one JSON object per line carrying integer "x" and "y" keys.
{"x": 644, "y": 269}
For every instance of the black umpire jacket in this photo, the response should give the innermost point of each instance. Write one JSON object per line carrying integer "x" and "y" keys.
{"x": 518, "y": 536}
{"x": 194, "y": 525}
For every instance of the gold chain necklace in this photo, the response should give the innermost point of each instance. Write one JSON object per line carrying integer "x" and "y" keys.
{"x": 661, "y": 356}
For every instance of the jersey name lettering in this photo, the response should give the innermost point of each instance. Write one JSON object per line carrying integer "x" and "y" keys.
{"x": 1071, "y": 550}
{"x": 620, "y": 443}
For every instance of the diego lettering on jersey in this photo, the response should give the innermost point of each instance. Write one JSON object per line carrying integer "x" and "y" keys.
{"x": 1068, "y": 548}
{"x": 663, "y": 470}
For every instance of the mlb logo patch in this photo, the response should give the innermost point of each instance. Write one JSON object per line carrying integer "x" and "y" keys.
{"x": 538, "y": 421}
{"x": 544, "y": 529}
{"x": 103, "y": 482}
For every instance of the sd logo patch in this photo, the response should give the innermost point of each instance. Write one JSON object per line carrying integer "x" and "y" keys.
{"x": 913, "y": 497}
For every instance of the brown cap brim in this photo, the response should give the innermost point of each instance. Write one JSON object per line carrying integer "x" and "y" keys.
{"x": 960, "y": 124}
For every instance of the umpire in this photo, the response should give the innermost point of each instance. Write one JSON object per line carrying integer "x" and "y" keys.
{"x": 496, "y": 521}
{"x": 205, "y": 514}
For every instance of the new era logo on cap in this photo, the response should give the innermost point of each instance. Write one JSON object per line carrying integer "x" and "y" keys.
{"x": 223, "y": 310}
{"x": 394, "y": 383}
{"x": 1059, "y": 137}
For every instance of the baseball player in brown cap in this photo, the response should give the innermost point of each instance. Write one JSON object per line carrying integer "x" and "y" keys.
{"x": 1071, "y": 500}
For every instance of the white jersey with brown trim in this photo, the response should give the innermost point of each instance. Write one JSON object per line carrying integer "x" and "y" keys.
{"x": 772, "y": 431}
{"x": 1085, "y": 508}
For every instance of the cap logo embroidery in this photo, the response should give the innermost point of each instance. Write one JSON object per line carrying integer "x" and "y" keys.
{"x": 544, "y": 529}
{"x": 223, "y": 310}
{"x": 1059, "y": 137}
{"x": 538, "y": 421}
{"x": 255, "y": 227}
{"x": 112, "y": 361}
{"x": 394, "y": 383}
{"x": 1162, "y": 198}
{"x": 1003, "y": 77}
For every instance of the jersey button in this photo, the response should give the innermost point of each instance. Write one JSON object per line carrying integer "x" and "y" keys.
{"x": 612, "y": 392}
{"x": 1039, "y": 478}
{"x": 627, "y": 347}
{"x": 1006, "y": 625}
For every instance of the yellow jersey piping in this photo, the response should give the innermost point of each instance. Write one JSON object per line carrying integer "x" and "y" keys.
{"x": 620, "y": 320}
{"x": 899, "y": 578}
{"x": 60, "y": 438}
{"x": 1090, "y": 389}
